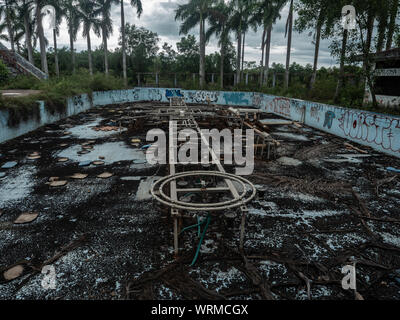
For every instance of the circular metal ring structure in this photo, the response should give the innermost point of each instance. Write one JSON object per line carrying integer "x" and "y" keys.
{"x": 158, "y": 193}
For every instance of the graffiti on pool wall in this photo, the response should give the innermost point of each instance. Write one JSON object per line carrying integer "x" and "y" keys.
{"x": 173, "y": 94}
{"x": 203, "y": 96}
{"x": 299, "y": 107}
{"x": 154, "y": 95}
{"x": 78, "y": 101}
{"x": 329, "y": 116}
{"x": 257, "y": 100}
{"x": 315, "y": 112}
{"x": 372, "y": 128}
{"x": 279, "y": 106}
{"x": 123, "y": 96}
{"x": 235, "y": 98}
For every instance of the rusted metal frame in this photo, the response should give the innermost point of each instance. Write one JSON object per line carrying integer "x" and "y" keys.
{"x": 230, "y": 185}
{"x": 218, "y": 189}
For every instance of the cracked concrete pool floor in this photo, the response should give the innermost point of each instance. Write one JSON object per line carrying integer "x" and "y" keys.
{"x": 303, "y": 221}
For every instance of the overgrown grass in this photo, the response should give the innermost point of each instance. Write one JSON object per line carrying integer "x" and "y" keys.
{"x": 54, "y": 93}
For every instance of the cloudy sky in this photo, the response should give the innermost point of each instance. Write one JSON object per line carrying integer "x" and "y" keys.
{"x": 158, "y": 16}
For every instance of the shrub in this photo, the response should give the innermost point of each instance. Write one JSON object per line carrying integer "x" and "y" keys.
{"x": 22, "y": 82}
{"x": 4, "y": 73}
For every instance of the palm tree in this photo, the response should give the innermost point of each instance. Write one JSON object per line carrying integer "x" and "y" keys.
{"x": 266, "y": 13}
{"x": 323, "y": 24}
{"x": 394, "y": 7}
{"x": 194, "y": 13}
{"x": 237, "y": 23}
{"x": 56, "y": 30}
{"x": 87, "y": 13}
{"x": 240, "y": 22}
{"x": 383, "y": 15}
{"x": 139, "y": 9}
{"x": 218, "y": 20}
{"x": 69, "y": 9}
{"x": 42, "y": 40}
{"x": 106, "y": 25}
{"x": 7, "y": 12}
{"x": 288, "y": 33}
{"x": 17, "y": 34}
{"x": 24, "y": 14}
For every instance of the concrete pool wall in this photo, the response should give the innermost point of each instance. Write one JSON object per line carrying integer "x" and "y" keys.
{"x": 75, "y": 105}
{"x": 378, "y": 131}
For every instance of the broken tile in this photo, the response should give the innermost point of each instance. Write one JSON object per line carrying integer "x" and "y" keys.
{"x": 131, "y": 178}
{"x": 84, "y": 163}
{"x": 13, "y": 273}
{"x": 9, "y": 165}
{"x": 33, "y": 156}
{"x": 26, "y": 217}
{"x": 105, "y": 175}
{"x": 2, "y": 174}
{"x": 79, "y": 176}
{"x": 58, "y": 183}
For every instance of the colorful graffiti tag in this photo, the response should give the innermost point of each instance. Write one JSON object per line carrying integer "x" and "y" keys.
{"x": 173, "y": 93}
{"x": 204, "y": 96}
{"x": 235, "y": 98}
{"x": 329, "y": 116}
{"x": 372, "y": 128}
{"x": 257, "y": 100}
{"x": 154, "y": 94}
{"x": 279, "y": 106}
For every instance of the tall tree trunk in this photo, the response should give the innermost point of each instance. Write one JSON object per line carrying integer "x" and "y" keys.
{"x": 383, "y": 19}
{"x": 71, "y": 45}
{"x": 367, "y": 48}
{"x": 243, "y": 44}
{"x": 342, "y": 60}
{"x": 289, "y": 44}
{"x": 367, "y": 51}
{"x": 28, "y": 38}
{"x": 316, "y": 54}
{"x": 267, "y": 53}
{"x": 19, "y": 48}
{"x": 56, "y": 53}
{"x": 202, "y": 69}
{"x": 222, "y": 64}
{"x": 9, "y": 25}
{"x": 394, "y": 7}
{"x": 262, "y": 57}
{"x": 105, "y": 45}
{"x": 42, "y": 42}
{"x": 89, "y": 46}
{"x": 123, "y": 44}
{"x": 238, "y": 58}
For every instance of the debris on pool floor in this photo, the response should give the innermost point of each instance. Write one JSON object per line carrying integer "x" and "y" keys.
{"x": 320, "y": 206}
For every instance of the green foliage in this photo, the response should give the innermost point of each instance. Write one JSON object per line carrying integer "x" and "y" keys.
{"x": 53, "y": 92}
{"x": 22, "y": 82}
{"x": 141, "y": 47}
{"x": 4, "y": 73}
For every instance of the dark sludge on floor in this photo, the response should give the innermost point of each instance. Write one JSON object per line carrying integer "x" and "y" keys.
{"x": 321, "y": 204}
